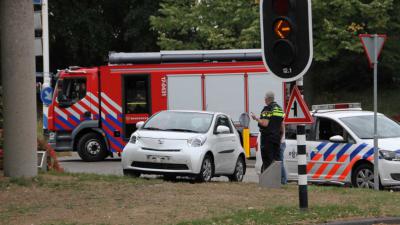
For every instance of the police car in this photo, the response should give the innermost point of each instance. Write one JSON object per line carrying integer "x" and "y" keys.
{"x": 340, "y": 147}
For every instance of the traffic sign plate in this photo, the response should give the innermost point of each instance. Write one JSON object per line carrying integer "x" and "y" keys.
{"x": 46, "y": 95}
{"x": 297, "y": 111}
{"x": 369, "y": 46}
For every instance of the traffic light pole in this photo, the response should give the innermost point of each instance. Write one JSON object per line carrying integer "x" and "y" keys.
{"x": 302, "y": 158}
{"x": 19, "y": 90}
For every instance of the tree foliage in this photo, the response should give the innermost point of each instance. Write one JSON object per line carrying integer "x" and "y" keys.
{"x": 339, "y": 60}
{"x": 84, "y": 32}
{"x": 207, "y": 24}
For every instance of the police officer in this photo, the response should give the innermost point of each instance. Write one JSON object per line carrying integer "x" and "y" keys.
{"x": 270, "y": 124}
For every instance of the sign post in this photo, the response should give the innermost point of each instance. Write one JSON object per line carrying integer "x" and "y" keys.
{"x": 297, "y": 113}
{"x": 373, "y": 45}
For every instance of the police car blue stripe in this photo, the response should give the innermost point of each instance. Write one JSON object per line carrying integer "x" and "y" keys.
{"x": 330, "y": 150}
{"x": 65, "y": 122}
{"x": 368, "y": 154}
{"x": 321, "y": 146}
{"x": 357, "y": 150}
{"x": 342, "y": 151}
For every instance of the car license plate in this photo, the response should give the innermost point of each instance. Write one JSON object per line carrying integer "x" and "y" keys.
{"x": 158, "y": 158}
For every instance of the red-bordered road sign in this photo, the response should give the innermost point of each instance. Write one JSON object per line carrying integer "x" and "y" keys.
{"x": 368, "y": 43}
{"x": 297, "y": 111}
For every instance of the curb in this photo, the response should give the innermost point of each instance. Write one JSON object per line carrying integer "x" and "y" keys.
{"x": 388, "y": 220}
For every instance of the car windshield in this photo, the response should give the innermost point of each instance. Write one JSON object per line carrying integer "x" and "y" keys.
{"x": 363, "y": 126}
{"x": 180, "y": 121}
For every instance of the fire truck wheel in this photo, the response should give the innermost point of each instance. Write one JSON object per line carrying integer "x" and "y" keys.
{"x": 91, "y": 148}
{"x": 240, "y": 170}
{"x": 207, "y": 169}
{"x": 363, "y": 176}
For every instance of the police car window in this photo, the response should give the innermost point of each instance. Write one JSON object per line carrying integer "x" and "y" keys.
{"x": 363, "y": 126}
{"x": 291, "y": 132}
{"x": 327, "y": 128}
{"x": 223, "y": 121}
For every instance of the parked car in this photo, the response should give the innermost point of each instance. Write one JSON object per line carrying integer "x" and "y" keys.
{"x": 185, "y": 143}
{"x": 340, "y": 147}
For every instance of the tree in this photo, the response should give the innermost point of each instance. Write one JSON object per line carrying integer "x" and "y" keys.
{"x": 84, "y": 32}
{"x": 338, "y": 55}
{"x": 207, "y": 24}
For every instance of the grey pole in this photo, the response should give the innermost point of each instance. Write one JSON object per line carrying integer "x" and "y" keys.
{"x": 18, "y": 79}
{"x": 376, "y": 154}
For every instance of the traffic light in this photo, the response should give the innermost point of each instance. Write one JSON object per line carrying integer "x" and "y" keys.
{"x": 286, "y": 37}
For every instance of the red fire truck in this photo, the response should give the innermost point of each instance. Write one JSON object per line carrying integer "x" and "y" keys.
{"x": 95, "y": 110}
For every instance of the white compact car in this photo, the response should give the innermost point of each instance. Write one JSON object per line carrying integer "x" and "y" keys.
{"x": 182, "y": 143}
{"x": 340, "y": 147}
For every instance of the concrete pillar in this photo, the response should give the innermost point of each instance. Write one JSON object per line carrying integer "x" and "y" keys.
{"x": 19, "y": 90}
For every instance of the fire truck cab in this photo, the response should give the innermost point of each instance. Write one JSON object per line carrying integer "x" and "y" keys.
{"x": 95, "y": 110}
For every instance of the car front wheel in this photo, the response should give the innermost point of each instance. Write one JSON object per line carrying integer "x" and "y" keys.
{"x": 240, "y": 170}
{"x": 363, "y": 177}
{"x": 207, "y": 169}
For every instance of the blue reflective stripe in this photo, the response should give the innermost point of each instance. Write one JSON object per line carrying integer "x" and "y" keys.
{"x": 321, "y": 146}
{"x": 357, "y": 150}
{"x": 75, "y": 119}
{"x": 112, "y": 139}
{"x": 59, "y": 127}
{"x": 66, "y": 122}
{"x": 330, "y": 150}
{"x": 368, "y": 154}
{"x": 114, "y": 120}
{"x": 342, "y": 151}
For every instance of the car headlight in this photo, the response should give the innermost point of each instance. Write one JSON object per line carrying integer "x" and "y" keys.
{"x": 134, "y": 138}
{"x": 390, "y": 155}
{"x": 197, "y": 141}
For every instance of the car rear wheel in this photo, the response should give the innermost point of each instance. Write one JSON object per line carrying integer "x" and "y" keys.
{"x": 207, "y": 169}
{"x": 92, "y": 148}
{"x": 363, "y": 177}
{"x": 240, "y": 170}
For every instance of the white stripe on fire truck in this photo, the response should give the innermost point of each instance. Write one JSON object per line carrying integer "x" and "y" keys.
{"x": 61, "y": 113}
{"x": 91, "y": 106}
{"x": 80, "y": 108}
{"x": 93, "y": 97}
{"x": 75, "y": 114}
{"x": 109, "y": 111}
{"x": 111, "y": 102}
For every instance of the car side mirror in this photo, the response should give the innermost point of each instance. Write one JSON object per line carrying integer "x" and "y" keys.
{"x": 336, "y": 139}
{"x": 223, "y": 130}
{"x": 139, "y": 124}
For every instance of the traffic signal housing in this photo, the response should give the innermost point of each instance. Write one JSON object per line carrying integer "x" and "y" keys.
{"x": 286, "y": 30}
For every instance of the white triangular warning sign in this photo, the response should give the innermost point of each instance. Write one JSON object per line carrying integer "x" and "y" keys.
{"x": 368, "y": 42}
{"x": 297, "y": 111}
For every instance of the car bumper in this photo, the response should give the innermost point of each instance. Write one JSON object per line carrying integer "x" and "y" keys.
{"x": 186, "y": 161}
{"x": 389, "y": 172}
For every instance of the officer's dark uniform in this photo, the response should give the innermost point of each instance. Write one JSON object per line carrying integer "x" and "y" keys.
{"x": 271, "y": 135}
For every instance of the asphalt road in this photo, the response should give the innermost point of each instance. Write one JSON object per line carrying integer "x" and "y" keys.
{"x": 112, "y": 166}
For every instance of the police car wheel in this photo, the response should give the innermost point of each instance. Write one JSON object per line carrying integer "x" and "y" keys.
{"x": 240, "y": 170}
{"x": 91, "y": 148}
{"x": 363, "y": 176}
{"x": 207, "y": 169}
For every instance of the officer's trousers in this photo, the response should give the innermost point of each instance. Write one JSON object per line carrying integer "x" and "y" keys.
{"x": 270, "y": 151}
